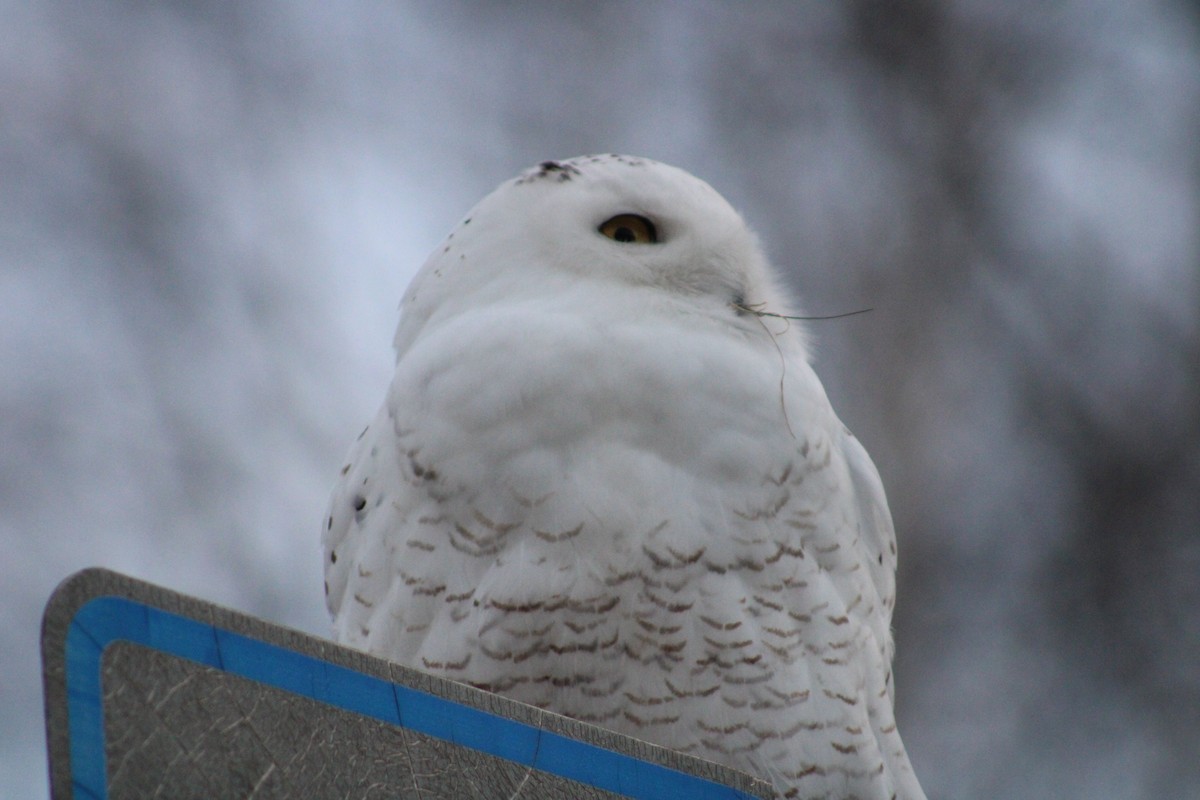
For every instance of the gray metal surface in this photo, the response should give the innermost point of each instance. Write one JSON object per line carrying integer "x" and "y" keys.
{"x": 179, "y": 729}
{"x": 173, "y": 727}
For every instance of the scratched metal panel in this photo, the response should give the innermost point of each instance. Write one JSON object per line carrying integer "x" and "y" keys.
{"x": 151, "y": 693}
{"x": 178, "y": 729}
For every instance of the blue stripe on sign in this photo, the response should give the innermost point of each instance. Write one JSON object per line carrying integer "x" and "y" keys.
{"x": 104, "y": 620}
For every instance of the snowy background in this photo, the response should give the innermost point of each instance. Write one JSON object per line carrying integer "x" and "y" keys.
{"x": 209, "y": 211}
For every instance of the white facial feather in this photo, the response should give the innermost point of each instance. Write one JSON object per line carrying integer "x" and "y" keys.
{"x": 542, "y": 226}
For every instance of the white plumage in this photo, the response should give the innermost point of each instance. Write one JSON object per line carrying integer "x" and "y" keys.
{"x": 601, "y": 484}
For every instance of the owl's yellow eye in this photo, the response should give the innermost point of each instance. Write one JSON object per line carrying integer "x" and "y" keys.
{"x": 630, "y": 228}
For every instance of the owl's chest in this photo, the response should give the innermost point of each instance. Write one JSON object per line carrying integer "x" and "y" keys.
{"x": 658, "y": 509}
{"x": 560, "y": 580}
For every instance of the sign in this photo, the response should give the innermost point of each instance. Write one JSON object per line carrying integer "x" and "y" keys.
{"x": 152, "y": 693}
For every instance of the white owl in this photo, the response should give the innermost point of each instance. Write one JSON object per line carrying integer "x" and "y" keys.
{"x": 604, "y": 483}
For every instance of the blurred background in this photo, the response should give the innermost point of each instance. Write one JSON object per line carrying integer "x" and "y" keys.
{"x": 208, "y": 214}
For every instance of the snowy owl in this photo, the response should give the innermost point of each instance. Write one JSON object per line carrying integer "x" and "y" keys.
{"x": 606, "y": 481}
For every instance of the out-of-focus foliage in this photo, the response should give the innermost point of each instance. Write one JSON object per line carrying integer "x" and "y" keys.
{"x": 209, "y": 212}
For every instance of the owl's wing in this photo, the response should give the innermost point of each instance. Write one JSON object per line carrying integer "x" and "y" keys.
{"x": 365, "y": 513}
{"x": 876, "y": 533}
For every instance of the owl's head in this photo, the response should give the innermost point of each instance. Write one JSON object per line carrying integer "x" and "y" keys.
{"x": 602, "y": 223}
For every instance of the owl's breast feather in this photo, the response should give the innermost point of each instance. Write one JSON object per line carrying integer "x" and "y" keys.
{"x": 513, "y": 376}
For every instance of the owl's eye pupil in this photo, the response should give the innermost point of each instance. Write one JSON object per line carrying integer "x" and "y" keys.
{"x": 623, "y": 235}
